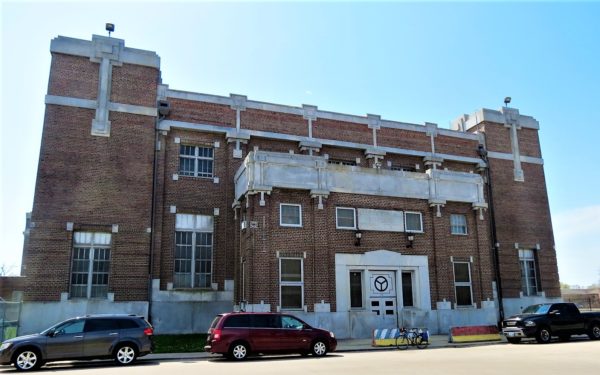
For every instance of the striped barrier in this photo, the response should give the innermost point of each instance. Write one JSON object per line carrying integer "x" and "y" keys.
{"x": 473, "y": 334}
{"x": 384, "y": 337}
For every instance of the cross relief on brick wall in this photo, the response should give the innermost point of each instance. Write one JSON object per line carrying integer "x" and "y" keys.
{"x": 106, "y": 52}
{"x": 511, "y": 121}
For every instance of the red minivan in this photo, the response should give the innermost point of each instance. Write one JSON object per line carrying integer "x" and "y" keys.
{"x": 238, "y": 334}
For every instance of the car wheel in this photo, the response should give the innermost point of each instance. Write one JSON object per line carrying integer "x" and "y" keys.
{"x": 513, "y": 340}
{"x": 319, "y": 348}
{"x": 27, "y": 359}
{"x": 543, "y": 335}
{"x": 125, "y": 354}
{"x": 238, "y": 351}
{"x": 594, "y": 332}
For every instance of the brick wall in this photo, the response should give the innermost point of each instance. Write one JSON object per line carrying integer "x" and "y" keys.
{"x": 522, "y": 212}
{"x": 93, "y": 182}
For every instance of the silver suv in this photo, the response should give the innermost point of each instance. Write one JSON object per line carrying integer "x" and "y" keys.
{"x": 122, "y": 337}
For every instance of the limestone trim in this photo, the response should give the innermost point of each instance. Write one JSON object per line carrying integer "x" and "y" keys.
{"x": 263, "y": 171}
{"x": 85, "y": 48}
{"x": 507, "y": 156}
{"x": 167, "y": 124}
{"x": 466, "y": 122}
{"x": 302, "y": 111}
{"x": 93, "y": 104}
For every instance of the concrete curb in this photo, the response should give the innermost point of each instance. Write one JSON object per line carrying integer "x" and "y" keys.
{"x": 344, "y": 346}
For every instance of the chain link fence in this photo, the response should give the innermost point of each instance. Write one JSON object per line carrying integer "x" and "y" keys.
{"x": 9, "y": 319}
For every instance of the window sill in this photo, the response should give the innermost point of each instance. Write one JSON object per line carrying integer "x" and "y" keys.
{"x": 196, "y": 177}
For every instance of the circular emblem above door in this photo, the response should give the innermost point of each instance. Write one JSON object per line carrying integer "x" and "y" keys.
{"x": 380, "y": 283}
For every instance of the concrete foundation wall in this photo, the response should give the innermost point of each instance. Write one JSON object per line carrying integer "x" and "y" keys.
{"x": 186, "y": 317}
{"x": 360, "y": 324}
{"x": 37, "y": 316}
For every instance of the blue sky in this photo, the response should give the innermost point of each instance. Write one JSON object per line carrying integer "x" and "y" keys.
{"x": 425, "y": 62}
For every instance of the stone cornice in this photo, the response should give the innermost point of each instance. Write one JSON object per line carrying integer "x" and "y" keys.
{"x": 86, "y": 48}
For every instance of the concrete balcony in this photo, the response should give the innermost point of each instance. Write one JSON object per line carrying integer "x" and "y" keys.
{"x": 262, "y": 171}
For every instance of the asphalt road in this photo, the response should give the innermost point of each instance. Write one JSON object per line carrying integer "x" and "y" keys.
{"x": 573, "y": 358}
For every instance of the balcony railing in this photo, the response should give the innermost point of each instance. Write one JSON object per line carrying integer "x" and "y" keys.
{"x": 262, "y": 171}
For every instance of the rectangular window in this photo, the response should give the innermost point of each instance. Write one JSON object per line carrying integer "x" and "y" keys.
{"x": 413, "y": 221}
{"x": 402, "y": 168}
{"x": 341, "y": 162}
{"x": 407, "y": 290}
{"x": 91, "y": 263}
{"x": 528, "y": 272}
{"x": 345, "y": 218}
{"x": 356, "y": 290}
{"x": 462, "y": 283}
{"x": 290, "y": 215}
{"x": 193, "y": 251}
{"x": 458, "y": 224}
{"x": 196, "y": 161}
{"x": 291, "y": 281}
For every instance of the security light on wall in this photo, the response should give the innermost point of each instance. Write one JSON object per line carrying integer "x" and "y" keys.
{"x": 357, "y": 237}
{"x": 410, "y": 238}
{"x": 507, "y": 101}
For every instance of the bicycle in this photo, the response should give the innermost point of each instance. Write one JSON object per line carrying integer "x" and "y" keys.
{"x": 414, "y": 336}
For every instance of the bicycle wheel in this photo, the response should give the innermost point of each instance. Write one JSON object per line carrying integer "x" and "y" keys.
{"x": 402, "y": 342}
{"x": 421, "y": 344}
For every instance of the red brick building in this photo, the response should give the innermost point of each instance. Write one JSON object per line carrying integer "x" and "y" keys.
{"x": 177, "y": 205}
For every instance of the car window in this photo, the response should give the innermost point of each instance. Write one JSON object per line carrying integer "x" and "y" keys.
{"x": 94, "y": 325}
{"x": 215, "y": 321}
{"x": 73, "y": 326}
{"x": 291, "y": 322}
{"x": 236, "y": 321}
{"x": 128, "y": 323}
{"x": 266, "y": 321}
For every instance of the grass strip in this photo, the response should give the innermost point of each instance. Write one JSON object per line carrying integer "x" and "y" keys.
{"x": 179, "y": 343}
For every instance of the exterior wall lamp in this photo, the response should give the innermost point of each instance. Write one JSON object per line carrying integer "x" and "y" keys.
{"x": 357, "y": 237}
{"x": 410, "y": 238}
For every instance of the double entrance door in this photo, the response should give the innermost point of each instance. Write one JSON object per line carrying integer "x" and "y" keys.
{"x": 383, "y": 294}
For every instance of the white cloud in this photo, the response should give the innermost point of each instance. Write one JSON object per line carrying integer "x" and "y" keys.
{"x": 577, "y": 245}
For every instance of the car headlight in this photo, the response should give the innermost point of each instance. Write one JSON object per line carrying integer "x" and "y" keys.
{"x": 529, "y": 323}
{"x": 5, "y": 346}
{"x": 331, "y": 334}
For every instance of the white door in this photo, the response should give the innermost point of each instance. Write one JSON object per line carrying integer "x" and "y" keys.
{"x": 382, "y": 293}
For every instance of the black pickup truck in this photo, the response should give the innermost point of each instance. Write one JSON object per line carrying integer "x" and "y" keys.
{"x": 551, "y": 319}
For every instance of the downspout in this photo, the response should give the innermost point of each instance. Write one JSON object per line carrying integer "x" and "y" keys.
{"x": 152, "y": 214}
{"x": 495, "y": 246}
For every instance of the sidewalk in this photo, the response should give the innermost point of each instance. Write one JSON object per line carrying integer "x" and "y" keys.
{"x": 346, "y": 345}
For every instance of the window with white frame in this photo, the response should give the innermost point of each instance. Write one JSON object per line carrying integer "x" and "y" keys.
{"x": 458, "y": 224}
{"x": 528, "y": 272}
{"x": 290, "y": 215}
{"x": 90, "y": 266}
{"x": 345, "y": 218}
{"x": 196, "y": 161}
{"x": 462, "y": 283}
{"x": 413, "y": 221}
{"x": 193, "y": 251}
{"x": 291, "y": 283}
{"x": 356, "y": 289}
